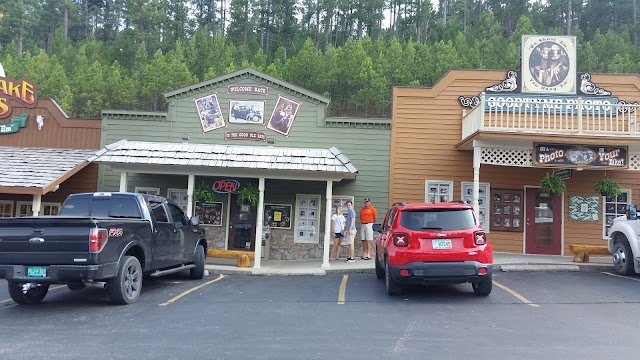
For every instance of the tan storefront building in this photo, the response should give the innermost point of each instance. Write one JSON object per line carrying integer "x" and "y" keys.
{"x": 488, "y": 137}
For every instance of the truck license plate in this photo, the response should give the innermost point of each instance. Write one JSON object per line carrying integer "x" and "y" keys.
{"x": 440, "y": 244}
{"x": 37, "y": 271}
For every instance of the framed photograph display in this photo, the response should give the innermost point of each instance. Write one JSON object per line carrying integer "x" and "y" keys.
{"x": 438, "y": 191}
{"x": 246, "y": 112}
{"x": 210, "y": 213}
{"x": 307, "y": 219}
{"x": 277, "y": 216}
{"x": 209, "y": 112}
{"x": 483, "y": 191}
{"x": 507, "y": 210}
{"x": 283, "y": 115}
{"x": 614, "y": 206}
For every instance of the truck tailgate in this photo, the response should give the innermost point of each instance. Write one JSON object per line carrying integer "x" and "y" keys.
{"x": 45, "y": 240}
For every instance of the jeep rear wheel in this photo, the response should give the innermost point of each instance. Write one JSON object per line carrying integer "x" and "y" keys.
{"x": 379, "y": 269}
{"x": 125, "y": 288}
{"x": 32, "y": 297}
{"x": 623, "y": 259}
{"x": 482, "y": 288}
{"x": 392, "y": 286}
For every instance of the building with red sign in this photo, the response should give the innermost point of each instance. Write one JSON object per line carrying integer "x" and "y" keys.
{"x": 45, "y": 155}
{"x": 490, "y": 137}
{"x": 255, "y": 158}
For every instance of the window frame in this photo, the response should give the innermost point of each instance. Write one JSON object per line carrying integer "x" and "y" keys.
{"x": 438, "y": 183}
{"x": 179, "y": 203}
{"x": 605, "y": 227}
{"x": 11, "y": 210}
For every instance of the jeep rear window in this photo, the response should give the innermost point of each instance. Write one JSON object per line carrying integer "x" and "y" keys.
{"x": 437, "y": 219}
{"x": 114, "y": 207}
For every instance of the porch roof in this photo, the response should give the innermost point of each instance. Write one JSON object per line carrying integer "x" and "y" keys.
{"x": 226, "y": 160}
{"x": 29, "y": 170}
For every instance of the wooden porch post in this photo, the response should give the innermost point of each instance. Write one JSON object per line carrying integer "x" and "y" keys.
{"x": 327, "y": 225}
{"x": 36, "y": 204}
{"x": 190, "y": 185}
{"x": 477, "y": 152}
{"x": 259, "y": 220}
{"x": 123, "y": 181}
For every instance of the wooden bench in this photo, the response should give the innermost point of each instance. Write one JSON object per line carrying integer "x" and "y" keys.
{"x": 581, "y": 252}
{"x": 244, "y": 257}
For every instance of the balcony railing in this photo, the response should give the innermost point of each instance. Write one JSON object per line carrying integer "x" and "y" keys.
{"x": 563, "y": 116}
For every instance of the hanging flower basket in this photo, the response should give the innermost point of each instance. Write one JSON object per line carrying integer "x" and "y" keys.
{"x": 607, "y": 187}
{"x": 552, "y": 184}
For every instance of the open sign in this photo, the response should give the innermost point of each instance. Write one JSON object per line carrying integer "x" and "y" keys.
{"x": 225, "y": 186}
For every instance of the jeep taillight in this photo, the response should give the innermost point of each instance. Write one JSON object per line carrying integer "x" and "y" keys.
{"x": 97, "y": 240}
{"x": 401, "y": 239}
{"x": 479, "y": 238}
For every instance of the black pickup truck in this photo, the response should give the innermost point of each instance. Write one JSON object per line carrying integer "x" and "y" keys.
{"x": 105, "y": 240}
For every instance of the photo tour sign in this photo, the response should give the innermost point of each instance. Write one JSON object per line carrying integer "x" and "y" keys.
{"x": 568, "y": 155}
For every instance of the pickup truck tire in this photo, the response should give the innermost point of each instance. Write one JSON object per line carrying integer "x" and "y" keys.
{"x": 126, "y": 286}
{"x": 32, "y": 297}
{"x": 379, "y": 269}
{"x": 197, "y": 272}
{"x": 623, "y": 259}
{"x": 482, "y": 288}
{"x": 393, "y": 287}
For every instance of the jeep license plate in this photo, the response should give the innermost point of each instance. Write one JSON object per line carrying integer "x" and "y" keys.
{"x": 440, "y": 244}
{"x": 37, "y": 271}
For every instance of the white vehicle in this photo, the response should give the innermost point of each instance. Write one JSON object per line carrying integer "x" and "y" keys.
{"x": 624, "y": 242}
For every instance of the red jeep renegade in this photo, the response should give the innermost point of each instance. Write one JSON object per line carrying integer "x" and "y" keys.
{"x": 431, "y": 244}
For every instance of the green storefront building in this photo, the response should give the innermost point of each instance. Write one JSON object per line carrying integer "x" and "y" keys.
{"x": 246, "y": 130}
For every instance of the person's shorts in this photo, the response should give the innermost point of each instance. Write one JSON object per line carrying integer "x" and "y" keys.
{"x": 366, "y": 232}
{"x": 339, "y": 235}
{"x": 350, "y": 238}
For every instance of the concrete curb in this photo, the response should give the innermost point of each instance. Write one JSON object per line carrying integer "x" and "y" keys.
{"x": 553, "y": 267}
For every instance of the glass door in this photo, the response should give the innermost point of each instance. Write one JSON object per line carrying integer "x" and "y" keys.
{"x": 543, "y": 222}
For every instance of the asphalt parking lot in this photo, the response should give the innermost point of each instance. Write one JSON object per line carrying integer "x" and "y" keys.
{"x": 541, "y": 315}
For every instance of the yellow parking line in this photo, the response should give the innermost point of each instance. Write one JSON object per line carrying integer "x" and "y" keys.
{"x": 190, "y": 291}
{"x": 518, "y": 296}
{"x": 621, "y": 276}
{"x": 343, "y": 289}
{"x": 50, "y": 289}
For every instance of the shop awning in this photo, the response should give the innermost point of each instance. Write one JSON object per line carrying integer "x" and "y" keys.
{"x": 25, "y": 170}
{"x": 227, "y": 160}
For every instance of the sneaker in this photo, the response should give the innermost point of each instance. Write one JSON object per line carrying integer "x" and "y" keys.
{"x": 350, "y": 260}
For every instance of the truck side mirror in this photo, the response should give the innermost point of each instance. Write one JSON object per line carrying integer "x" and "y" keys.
{"x": 632, "y": 212}
{"x": 195, "y": 220}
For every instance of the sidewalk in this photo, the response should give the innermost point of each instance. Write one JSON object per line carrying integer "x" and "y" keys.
{"x": 501, "y": 262}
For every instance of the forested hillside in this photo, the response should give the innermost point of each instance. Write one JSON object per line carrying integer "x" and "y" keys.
{"x": 91, "y": 55}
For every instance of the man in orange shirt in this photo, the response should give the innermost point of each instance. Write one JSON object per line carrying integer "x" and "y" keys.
{"x": 368, "y": 215}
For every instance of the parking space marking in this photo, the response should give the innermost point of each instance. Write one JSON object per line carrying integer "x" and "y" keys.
{"x": 621, "y": 276}
{"x": 190, "y": 291}
{"x": 54, "y": 288}
{"x": 518, "y": 296}
{"x": 343, "y": 289}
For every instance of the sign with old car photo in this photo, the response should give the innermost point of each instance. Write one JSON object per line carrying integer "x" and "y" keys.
{"x": 246, "y": 112}
{"x": 581, "y": 156}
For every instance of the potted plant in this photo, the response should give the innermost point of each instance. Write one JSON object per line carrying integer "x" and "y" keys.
{"x": 248, "y": 194}
{"x": 552, "y": 184}
{"x": 607, "y": 187}
{"x": 204, "y": 193}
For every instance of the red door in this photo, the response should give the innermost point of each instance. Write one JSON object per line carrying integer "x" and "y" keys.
{"x": 543, "y": 225}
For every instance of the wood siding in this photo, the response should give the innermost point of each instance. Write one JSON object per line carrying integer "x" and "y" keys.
{"x": 427, "y": 125}
{"x": 58, "y": 130}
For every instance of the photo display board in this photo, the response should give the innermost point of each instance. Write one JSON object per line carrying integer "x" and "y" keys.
{"x": 507, "y": 210}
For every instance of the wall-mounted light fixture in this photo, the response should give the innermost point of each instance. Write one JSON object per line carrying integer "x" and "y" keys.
{"x": 186, "y": 138}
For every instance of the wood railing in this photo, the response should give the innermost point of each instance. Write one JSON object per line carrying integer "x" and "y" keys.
{"x": 557, "y": 116}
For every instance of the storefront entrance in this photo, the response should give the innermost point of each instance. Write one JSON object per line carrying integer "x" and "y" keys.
{"x": 544, "y": 222}
{"x": 242, "y": 222}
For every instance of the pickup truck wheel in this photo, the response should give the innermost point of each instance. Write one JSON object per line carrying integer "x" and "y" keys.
{"x": 482, "y": 288}
{"x": 197, "y": 272}
{"x": 32, "y": 297}
{"x": 126, "y": 286}
{"x": 623, "y": 259}
{"x": 379, "y": 269}
{"x": 393, "y": 287}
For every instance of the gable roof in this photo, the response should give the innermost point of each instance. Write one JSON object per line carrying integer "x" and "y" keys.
{"x": 187, "y": 157}
{"x": 241, "y": 74}
{"x": 38, "y": 170}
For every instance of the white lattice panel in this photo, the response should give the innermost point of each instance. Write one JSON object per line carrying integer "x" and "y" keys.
{"x": 507, "y": 157}
{"x": 634, "y": 161}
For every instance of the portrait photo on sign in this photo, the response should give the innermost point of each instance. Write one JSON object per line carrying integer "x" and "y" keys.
{"x": 209, "y": 112}
{"x": 283, "y": 115}
{"x": 246, "y": 112}
{"x": 549, "y": 64}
